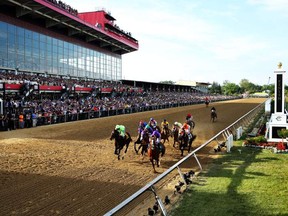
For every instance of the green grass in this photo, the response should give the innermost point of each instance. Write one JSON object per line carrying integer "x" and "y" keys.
{"x": 254, "y": 182}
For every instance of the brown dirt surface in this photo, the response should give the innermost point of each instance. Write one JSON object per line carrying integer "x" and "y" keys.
{"x": 71, "y": 169}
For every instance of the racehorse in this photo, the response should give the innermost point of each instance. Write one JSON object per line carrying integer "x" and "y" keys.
{"x": 120, "y": 142}
{"x": 213, "y": 116}
{"x": 143, "y": 143}
{"x": 165, "y": 134}
{"x": 155, "y": 152}
{"x": 185, "y": 142}
{"x": 175, "y": 134}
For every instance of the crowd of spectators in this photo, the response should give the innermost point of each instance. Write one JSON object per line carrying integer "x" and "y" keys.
{"x": 45, "y": 109}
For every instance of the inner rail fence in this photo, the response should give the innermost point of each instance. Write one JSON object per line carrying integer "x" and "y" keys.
{"x": 233, "y": 131}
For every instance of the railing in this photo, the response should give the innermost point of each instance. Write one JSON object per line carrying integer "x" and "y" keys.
{"x": 51, "y": 118}
{"x": 226, "y": 133}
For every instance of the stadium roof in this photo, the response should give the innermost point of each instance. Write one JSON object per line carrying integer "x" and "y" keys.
{"x": 47, "y": 14}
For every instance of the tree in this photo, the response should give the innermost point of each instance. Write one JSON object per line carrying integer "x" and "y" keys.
{"x": 244, "y": 84}
{"x": 229, "y": 88}
{"x": 215, "y": 88}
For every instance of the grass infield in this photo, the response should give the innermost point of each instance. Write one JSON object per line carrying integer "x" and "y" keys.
{"x": 247, "y": 181}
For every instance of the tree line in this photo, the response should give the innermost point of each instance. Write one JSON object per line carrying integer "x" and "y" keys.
{"x": 245, "y": 86}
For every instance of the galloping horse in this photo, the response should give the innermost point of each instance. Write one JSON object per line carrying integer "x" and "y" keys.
{"x": 120, "y": 142}
{"x": 165, "y": 134}
{"x": 175, "y": 134}
{"x": 213, "y": 116}
{"x": 155, "y": 152}
{"x": 185, "y": 142}
{"x": 143, "y": 143}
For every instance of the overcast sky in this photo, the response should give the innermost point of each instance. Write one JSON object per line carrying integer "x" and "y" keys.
{"x": 200, "y": 40}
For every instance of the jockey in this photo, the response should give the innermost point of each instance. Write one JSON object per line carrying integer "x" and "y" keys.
{"x": 121, "y": 130}
{"x": 152, "y": 123}
{"x": 177, "y": 125}
{"x": 140, "y": 129}
{"x": 157, "y": 135}
{"x": 165, "y": 124}
{"x": 149, "y": 129}
{"x": 186, "y": 127}
{"x": 189, "y": 119}
{"x": 141, "y": 126}
{"x": 213, "y": 109}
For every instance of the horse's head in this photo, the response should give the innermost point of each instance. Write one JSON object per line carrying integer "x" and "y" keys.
{"x": 152, "y": 142}
{"x": 114, "y": 134}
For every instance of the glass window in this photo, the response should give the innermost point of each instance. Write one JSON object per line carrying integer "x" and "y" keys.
{"x": 11, "y": 29}
{"x": 42, "y": 38}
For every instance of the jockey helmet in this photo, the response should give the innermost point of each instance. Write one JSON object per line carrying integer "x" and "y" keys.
{"x": 164, "y": 120}
{"x": 144, "y": 124}
{"x": 141, "y": 122}
{"x": 117, "y": 127}
{"x": 175, "y": 123}
{"x": 151, "y": 119}
{"x": 189, "y": 115}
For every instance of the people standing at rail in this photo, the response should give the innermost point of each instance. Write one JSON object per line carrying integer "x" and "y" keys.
{"x": 34, "y": 119}
{"x": 21, "y": 120}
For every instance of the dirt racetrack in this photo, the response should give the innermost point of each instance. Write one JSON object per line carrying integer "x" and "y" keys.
{"x": 70, "y": 169}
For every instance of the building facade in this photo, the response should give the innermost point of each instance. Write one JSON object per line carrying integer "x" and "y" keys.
{"x": 62, "y": 43}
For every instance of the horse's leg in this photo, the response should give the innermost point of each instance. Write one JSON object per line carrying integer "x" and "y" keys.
{"x": 175, "y": 140}
{"x": 139, "y": 147}
{"x": 189, "y": 145}
{"x": 137, "y": 142}
{"x": 127, "y": 145}
{"x": 136, "y": 150}
{"x": 152, "y": 161}
{"x": 182, "y": 148}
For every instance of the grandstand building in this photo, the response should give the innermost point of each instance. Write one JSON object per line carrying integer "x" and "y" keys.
{"x": 200, "y": 86}
{"x": 50, "y": 37}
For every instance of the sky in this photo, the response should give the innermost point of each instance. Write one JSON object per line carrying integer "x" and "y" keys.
{"x": 200, "y": 40}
